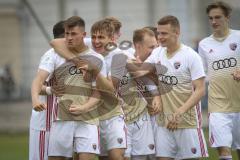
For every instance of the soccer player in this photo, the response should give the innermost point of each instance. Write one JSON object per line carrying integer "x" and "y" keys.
{"x": 134, "y": 105}
{"x": 178, "y": 134}
{"x": 140, "y": 134}
{"x": 221, "y": 56}
{"x": 144, "y": 43}
{"x": 41, "y": 122}
{"x": 72, "y": 131}
{"x": 112, "y": 125}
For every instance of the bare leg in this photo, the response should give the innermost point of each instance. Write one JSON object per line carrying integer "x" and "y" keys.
{"x": 56, "y": 158}
{"x": 86, "y": 156}
{"x": 116, "y": 154}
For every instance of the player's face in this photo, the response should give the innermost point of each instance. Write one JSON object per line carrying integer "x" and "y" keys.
{"x": 99, "y": 41}
{"x": 145, "y": 48}
{"x": 74, "y": 36}
{"x": 167, "y": 35}
{"x": 217, "y": 19}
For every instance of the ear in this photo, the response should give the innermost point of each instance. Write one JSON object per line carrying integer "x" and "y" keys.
{"x": 228, "y": 18}
{"x": 84, "y": 34}
{"x": 112, "y": 38}
{"x": 137, "y": 46}
{"x": 177, "y": 30}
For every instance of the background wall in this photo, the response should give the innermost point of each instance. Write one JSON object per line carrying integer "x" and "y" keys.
{"x": 23, "y": 41}
{"x": 26, "y": 29}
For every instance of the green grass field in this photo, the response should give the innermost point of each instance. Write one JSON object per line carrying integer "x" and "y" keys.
{"x": 15, "y": 147}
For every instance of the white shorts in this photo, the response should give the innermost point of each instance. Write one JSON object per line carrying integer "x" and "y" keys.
{"x": 153, "y": 120}
{"x": 140, "y": 139}
{"x": 180, "y": 144}
{"x": 224, "y": 130}
{"x": 113, "y": 134}
{"x": 38, "y": 144}
{"x": 67, "y": 137}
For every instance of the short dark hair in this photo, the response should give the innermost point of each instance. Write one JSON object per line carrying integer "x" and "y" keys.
{"x": 58, "y": 30}
{"x": 222, "y": 5}
{"x": 74, "y": 21}
{"x": 172, "y": 20}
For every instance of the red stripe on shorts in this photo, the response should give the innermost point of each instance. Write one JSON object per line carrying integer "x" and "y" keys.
{"x": 42, "y": 145}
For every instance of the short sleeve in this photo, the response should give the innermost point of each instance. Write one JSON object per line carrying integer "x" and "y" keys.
{"x": 203, "y": 57}
{"x": 47, "y": 61}
{"x": 196, "y": 66}
{"x": 153, "y": 57}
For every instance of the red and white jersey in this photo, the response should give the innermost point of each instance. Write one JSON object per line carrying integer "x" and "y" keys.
{"x": 134, "y": 104}
{"x": 220, "y": 59}
{"x": 175, "y": 77}
{"x": 43, "y": 120}
{"x": 50, "y": 61}
{"x": 112, "y": 111}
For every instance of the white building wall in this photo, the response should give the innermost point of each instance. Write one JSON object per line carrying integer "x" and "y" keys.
{"x": 33, "y": 41}
{"x": 89, "y": 10}
{"x": 132, "y": 13}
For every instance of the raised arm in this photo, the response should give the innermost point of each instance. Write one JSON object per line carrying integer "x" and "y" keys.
{"x": 60, "y": 48}
{"x": 139, "y": 69}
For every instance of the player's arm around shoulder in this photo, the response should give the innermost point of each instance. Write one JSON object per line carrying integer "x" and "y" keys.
{"x": 60, "y": 48}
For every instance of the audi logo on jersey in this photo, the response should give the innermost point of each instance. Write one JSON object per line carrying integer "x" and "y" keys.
{"x": 233, "y": 46}
{"x": 224, "y": 63}
{"x": 170, "y": 80}
{"x": 74, "y": 70}
{"x": 177, "y": 65}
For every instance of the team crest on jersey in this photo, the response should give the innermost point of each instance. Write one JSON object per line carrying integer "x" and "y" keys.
{"x": 210, "y": 51}
{"x": 151, "y": 146}
{"x": 177, "y": 65}
{"x": 120, "y": 140}
{"x": 94, "y": 146}
{"x": 233, "y": 46}
{"x": 194, "y": 150}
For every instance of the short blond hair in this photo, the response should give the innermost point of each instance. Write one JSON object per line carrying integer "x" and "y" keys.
{"x": 115, "y": 22}
{"x": 103, "y": 26}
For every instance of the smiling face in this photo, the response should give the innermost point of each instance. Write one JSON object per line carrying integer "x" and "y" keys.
{"x": 102, "y": 33}
{"x": 100, "y": 40}
{"x": 145, "y": 48}
{"x": 167, "y": 35}
{"x": 218, "y": 21}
